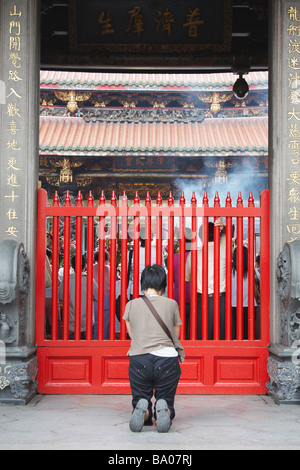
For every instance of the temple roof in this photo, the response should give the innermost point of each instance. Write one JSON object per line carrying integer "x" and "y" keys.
{"x": 104, "y": 123}
{"x": 218, "y": 137}
{"x": 148, "y": 81}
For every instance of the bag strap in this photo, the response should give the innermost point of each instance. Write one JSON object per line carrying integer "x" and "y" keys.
{"x": 157, "y": 317}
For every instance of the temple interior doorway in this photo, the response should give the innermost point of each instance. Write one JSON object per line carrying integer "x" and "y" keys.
{"x": 155, "y": 132}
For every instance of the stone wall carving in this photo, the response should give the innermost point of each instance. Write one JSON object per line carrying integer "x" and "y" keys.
{"x": 285, "y": 379}
{"x": 19, "y": 377}
{"x": 14, "y": 287}
{"x": 288, "y": 276}
{"x": 143, "y": 115}
{"x": 18, "y": 363}
{"x": 14, "y": 272}
{"x": 5, "y": 329}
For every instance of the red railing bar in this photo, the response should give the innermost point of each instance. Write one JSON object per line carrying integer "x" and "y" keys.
{"x": 216, "y": 335}
{"x": 171, "y": 235}
{"x": 101, "y": 271}
{"x": 205, "y": 271}
{"x": 251, "y": 270}
{"x": 228, "y": 295}
{"x": 113, "y": 272}
{"x": 136, "y": 250}
{"x": 159, "y": 234}
{"x": 193, "y": 335}
{"x": 265, "y": 268}
{"x": 148, "y": 231}
{"x": 41, "y": 243}
{"x": 55, "y": 267}
{"x": 66, "y": 276}
{"x": 90, "y": 259}
{"x": 239, "y": 276}
{"x": 124, "y": 242}
{"x": 78, "y": 269}
{"x": 223, "y": 212}
{"x": 156, "y": 211}
{"x": 182, "y": 268}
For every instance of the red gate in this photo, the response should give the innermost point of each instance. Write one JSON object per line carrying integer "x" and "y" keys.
{"x": 90, "y": 364}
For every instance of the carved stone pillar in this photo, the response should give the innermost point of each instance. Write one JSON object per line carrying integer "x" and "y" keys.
{"x": 19, "y": 144}
{"x": 284, "y": 360}
{"x": 284, "y": 161}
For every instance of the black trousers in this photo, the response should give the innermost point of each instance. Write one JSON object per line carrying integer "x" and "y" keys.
{"x": 149, "y": 374}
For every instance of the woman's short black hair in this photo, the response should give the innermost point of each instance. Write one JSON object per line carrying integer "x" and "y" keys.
{"x": 83, "y": 262}
{"x": 154, "y": 277}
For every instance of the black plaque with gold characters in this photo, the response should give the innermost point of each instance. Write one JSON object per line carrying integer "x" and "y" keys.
{"x": 170, "y": 26}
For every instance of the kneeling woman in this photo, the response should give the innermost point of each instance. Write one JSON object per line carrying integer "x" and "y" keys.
{"x": 153, "y": 324}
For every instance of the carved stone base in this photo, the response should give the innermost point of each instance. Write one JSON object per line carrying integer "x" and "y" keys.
{"x": 18, "y": 376}
{"x": 284, "y": 373}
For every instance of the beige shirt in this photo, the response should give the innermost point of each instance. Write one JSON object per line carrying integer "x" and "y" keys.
{"x": 210, "y": 267}
{"x": 147, "y": 334}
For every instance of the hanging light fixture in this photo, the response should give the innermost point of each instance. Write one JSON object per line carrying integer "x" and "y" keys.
{"x": 241, "y": 66}
{"x": 240, "y": 88}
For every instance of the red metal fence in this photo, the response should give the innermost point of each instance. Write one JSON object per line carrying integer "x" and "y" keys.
{"x": 116, "y": 227}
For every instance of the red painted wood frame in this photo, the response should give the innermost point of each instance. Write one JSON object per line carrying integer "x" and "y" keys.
{"x": 235, "y": 365}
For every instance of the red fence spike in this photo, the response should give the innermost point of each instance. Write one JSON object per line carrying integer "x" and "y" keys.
{"x": 113, "y": 199}
{"x": 205, "y": 199}
{"x": 251, "y": 200}
{"x": 182, "y": 199}
{"x": 217, "y": 200}
{"x": 124, "y": 199}
{"x": 102, "y": 198}
{"x": 56, "y": 200}
{"x": 90, "y": 200}
{"x": 228, "y": 200}
{"x": 239, "y": 200}
{"x": 79, "y": 200}
{"x": 194, "y": 200}
{"x": 148, "y": 199}
{"x": 159, "y": 199}
{"x": 68, "y": 199}
{"x": 136, "y": 198}
{"x": 170, "y": 200}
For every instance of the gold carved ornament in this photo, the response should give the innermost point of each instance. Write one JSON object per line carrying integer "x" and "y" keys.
{"x": 215, "y": 99}
{"x": 72, "y": 98}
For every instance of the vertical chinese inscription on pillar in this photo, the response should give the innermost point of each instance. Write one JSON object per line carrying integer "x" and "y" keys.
{"x": 293, "y": 151}
{"x": 13, "y": 119}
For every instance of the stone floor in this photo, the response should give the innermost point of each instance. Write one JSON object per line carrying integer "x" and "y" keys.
{"x": 101, "y": 422}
